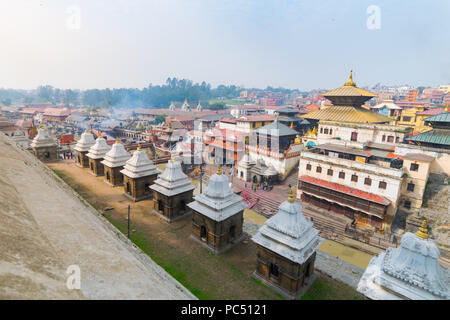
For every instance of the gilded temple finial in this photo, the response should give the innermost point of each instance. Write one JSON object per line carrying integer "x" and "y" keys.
{"x": 423, "y": 231}
{"x": 219, "y": 170}
{"x": 350, "y": 81}
{"x": 291, "y": 196}
{"x": 139, "y": 147}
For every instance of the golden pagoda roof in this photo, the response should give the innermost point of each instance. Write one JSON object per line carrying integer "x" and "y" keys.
{"x": 347, "y": 114}
{"x": 349, "y": 89}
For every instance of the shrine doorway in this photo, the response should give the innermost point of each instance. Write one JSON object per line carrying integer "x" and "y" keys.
{"x": 274, "y": 270}
{"x": 232, "y": 233}
{"x": 203, "y": 234}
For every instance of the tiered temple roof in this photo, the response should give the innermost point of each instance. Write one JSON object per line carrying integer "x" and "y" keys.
{"x": 347, "y": 106}
{"x": 43, "y": 139}
{"x": 288, "y": 233}
{"x": 172, "y": 106}
{"x": 85, "y": 143}
{"x": 117, "y": 156}
{"x": 99, "y": 149}
{"x": 411, "y": 271}
{"x": 172, "y": 181}
{"x": 139, "y": 165}
{"x": 185, "y": 107}
{"x": 199, "y": 107}
{"x": 218, "y": 202}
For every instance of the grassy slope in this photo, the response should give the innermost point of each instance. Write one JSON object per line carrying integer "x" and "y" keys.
{"x": 225, "y": 279}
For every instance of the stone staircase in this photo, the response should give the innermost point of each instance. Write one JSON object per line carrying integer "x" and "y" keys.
{"x": 329, "y": 226}
{"x": 262, "y": 204}
{"x": 292, "y": 178}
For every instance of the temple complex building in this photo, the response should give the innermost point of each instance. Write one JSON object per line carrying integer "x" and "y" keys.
{"x": 439, "y": 135}
{"x": 417, "y": 168}
{"x": 96, "y": 154}
{"x": 82, "y": 148}
{"x": 44, "y": 147}
{"x": 388, "y": 108}
{"x": 172, "y": 191}
{"x": 113, "y": 163}
{"x": 218, "y": 215}
{"x": 275, "y": 145}
{"x": 352, "y": 168}
{"x": 139, "y": 173}
{"x": 287, "y": 244}
{"x": 409, "y": 272}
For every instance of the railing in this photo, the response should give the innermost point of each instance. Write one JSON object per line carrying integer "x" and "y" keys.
{"x": 384, "y": 242}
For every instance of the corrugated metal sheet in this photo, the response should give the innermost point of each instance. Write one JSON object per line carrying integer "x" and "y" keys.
{"x": 435, "y": 136}
{"x": 442, "y": 117}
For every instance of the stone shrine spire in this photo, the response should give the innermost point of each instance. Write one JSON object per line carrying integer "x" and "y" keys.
{"x": 409, "y": 272}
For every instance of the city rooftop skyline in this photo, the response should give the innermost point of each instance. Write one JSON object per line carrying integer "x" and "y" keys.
{"x": 292, "y": 44}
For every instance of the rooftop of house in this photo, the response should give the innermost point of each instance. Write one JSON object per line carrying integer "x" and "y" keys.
{"x": 256, "y": 118}
{"x": 276, "y": 129}
{"x": 418, "y": 157}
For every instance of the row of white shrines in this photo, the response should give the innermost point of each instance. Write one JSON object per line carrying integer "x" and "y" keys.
{"x": 286, "y": 243}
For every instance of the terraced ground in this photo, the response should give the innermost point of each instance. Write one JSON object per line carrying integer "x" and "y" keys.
{"x": 227, "y": 276}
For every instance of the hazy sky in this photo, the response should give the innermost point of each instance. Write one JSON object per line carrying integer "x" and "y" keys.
{"x": 254, "y": 43}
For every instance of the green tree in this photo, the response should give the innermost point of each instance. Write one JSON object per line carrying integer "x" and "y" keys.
{"x": 160, "y": 118}
{"x": 216, "y": 106}
{"x": 6, "y": 102}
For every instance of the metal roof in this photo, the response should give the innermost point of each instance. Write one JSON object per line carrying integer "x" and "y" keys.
{"x": 442, "y": 117}
{"x": 342, "y": 149}
{"x": 347, "y": 114}
{"x": 277, "y": 129}
{"x": 435, "y": 136}
{"x": 348, "y": 91}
